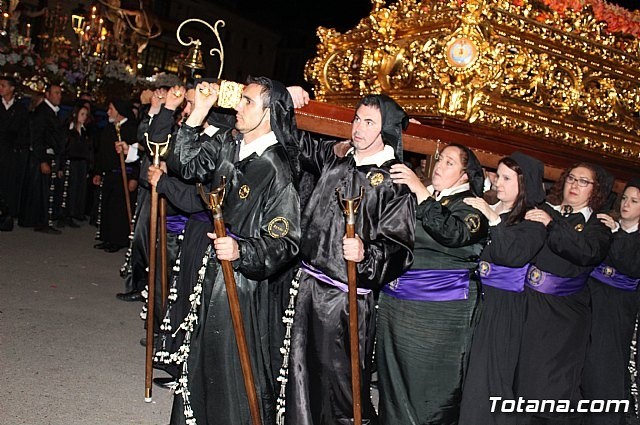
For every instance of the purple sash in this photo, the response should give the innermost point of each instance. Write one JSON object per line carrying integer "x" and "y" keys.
{"x": 176, "y": 223}
{"x": 312, "y": 271}
{"x": 128, "y": 170}
{"x": 502, "y": 277}
{"x": 204, "y": 216}
{"x": 610, "y": 276}
{"x": 552, "y": 284}
{"x": 430, "y": 285}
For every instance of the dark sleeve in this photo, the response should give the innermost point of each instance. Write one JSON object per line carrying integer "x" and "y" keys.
{"x": 161, "y": 125}
{"x": 624, "y": 252}
{"x": 516, "y": 245}
{"x": 314, "y": 152}
{"x": 37, "y": 125}
{"x": 18, "y": 126}
{"x": 221, "y": 120}
{"x": 586, "y": 248}
{"x": 263, "y": 256}
{"x": 143, "y": 127}
{"x": 452, "y": 228}
{"x": 391, "y": 253}
{"x": 196, "y": 160}
{"x": 181, "y": 195}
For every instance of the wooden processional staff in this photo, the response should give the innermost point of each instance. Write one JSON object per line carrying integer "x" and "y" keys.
{"x": 157, "y": 151}
{"x": 125, "y": 180}
{"x": 214, "y": 200}
{"x": 350, "y": 209}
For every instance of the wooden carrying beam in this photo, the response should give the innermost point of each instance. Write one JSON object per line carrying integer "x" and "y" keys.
{"x": 489, "y": 145}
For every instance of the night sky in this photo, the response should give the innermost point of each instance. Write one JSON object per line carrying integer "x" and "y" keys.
{"x": 297, "y": 20}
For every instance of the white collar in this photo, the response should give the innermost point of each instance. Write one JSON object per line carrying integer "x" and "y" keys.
{"x": 124, "y": 120}
{"x": 210, "y": 130}
{"x": 52, "y": 106}
{"x": 377, "y": 158}
{"x": 8, "y": 104}
{"x": 450, "y": 191}
{"x": 631, "y": 230}
{"x": 586, "y": 211}
{"x": 495, "y": 206}
{"x": 257, "y": 146}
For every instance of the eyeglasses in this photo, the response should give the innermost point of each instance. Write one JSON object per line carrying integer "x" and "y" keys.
{"x": 581, "y": 182}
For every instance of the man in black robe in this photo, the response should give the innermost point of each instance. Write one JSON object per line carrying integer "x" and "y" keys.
{"x": 47, "y": 143}
{"x": 318, "y": 387}
{"x": 261, "y": 212}
{"x": 114, "y": 220}
{"x": 14, "y": 144}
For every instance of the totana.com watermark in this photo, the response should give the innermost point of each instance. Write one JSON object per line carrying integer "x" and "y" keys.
{"x": 521, "y": 405}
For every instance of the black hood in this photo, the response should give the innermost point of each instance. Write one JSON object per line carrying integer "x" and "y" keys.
{"x": 394, "y": 120}
{"x": 533, "y": 173}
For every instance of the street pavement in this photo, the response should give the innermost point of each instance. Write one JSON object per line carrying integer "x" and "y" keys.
{"x": 69, "y": 350}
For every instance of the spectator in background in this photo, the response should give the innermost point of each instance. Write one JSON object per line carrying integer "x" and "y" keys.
{"x": 14, "y": 144}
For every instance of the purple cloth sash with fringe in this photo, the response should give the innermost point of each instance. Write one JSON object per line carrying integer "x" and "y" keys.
{"x": 610, "y": 276}
{"x": 312, "y": 271}
{"x": 503, "y": 277}
{"x": 552, "y": 284}
{"x": 204, "y": 216}
{"x": 430, "y": 285}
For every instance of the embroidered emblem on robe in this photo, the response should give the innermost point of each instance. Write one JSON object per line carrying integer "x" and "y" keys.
{"x": 244, "y": 191}
{"x": 278, "y": 227}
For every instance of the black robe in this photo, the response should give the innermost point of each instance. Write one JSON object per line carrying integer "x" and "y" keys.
{"x": 114, "y": 224}
{"x": 556, "y": 328}
{"x": 39, "y": 200}
{"x": 423, "y": 346}
{"x": 318, "y": 388}
{"x": 14, "y": 153}
{"x": 78, "y": 152}
{"x": 495, "y": 347}
{"x": 613, "y": 317}
{"x": 261, "y": 210}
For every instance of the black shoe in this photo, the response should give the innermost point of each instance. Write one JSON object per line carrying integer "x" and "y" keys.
{"x": 165, "y": 382}
{"x": 61, "y": 223}
{"x": 69, "y": 222}
{"x": 100, "y": 245}
{"x": 48, "y": 230}
{"x": 79, "y": 218}
{"x": 130, "y": 296}
{"x": 112, "y": 248}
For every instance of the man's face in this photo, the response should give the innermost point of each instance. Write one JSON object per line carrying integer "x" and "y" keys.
{"x": 189, "y": 97}
{"x": 365, "y": 130}
{"x": 6, "y": 89}
{"x": 250, "y": 114}
{"x": 54, "y": 95}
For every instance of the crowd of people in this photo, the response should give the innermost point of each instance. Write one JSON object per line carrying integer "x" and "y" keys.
{"x": 465, "y": 303}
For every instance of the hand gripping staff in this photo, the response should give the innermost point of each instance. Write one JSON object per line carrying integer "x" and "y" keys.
{"x": 125, "y": 180}
{"x": 157, "y": 151}
{"x": 350, "y": 209}
{"x": 214, "y": 200}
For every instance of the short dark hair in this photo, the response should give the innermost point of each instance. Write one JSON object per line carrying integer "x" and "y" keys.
{"x": 265, "y": 92}
{"x": 49, "y": 86}
{"x": 9, "y": 79}
{"x": 369, "y": 100}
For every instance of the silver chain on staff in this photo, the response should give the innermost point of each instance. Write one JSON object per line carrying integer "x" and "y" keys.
{"x": 52, "y": 192}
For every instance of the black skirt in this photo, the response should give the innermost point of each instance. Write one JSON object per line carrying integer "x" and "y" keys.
{"x": 494, "y": 357}
{"x": 422, "y": 351}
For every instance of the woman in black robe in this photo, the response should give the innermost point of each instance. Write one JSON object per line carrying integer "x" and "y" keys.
{"x": 614, "y": 308}
{"x": 556, "y": 328}
{"x": 78, "y": 153}
{"x": 513, "y": 243}
{"x": 426, "y": 316}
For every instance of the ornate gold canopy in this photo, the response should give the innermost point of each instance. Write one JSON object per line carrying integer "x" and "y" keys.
{"x": 520, "y": 69}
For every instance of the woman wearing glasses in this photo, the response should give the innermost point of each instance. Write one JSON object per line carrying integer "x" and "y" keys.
{"x": 556, "y": 328}
{"x": 614, "y": 307}
{"x": 425, "y": 317}
{"x": 514, "y": 242}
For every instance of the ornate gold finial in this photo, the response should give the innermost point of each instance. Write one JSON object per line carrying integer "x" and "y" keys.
{"x": 194, "y": 56}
